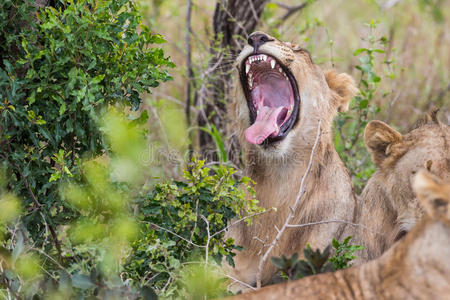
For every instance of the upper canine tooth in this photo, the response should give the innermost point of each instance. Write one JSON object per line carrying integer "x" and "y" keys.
{"x": 272, "y": 64}
{"x": 247, "y": 68}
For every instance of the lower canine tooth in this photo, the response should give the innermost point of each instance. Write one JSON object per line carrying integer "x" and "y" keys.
{"x": 247, "y": 68}
{"x": 272, "y": 64}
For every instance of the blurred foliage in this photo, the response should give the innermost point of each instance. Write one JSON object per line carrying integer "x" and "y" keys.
{"x": 184, "y": 220}
{"x": 95, "y": 242}
{"x": 434, "y": 7}
{"x": 61, "y": 68}
{"x": 317, "y": 261}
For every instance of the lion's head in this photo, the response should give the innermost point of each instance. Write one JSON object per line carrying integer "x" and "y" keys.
{"x": 398, "y": 157}
{"x": 280, "y": 91}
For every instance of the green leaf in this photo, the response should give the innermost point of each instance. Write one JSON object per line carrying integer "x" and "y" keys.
{"x": 363, "y": 104}
{"x": 55, "y": 176}
{"x": 359, "y": 51}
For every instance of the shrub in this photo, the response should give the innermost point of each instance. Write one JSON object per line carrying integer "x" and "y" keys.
{"x": 349, "y": 141}
{"x": 317, "y": 261}
{"x": 184, "y": 221}
{"x": 61, "y": 69}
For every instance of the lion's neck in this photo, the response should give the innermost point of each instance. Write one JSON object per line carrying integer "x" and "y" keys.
{"x": 399, "y": 273}
{"x": 376, "y": 212}
{"x": 278, "y": 178}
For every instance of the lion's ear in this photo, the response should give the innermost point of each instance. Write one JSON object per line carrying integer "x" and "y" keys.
{"x": 379, "y": 138}
{"x": 343, "y": 87}
{"x": 430, "y": 191}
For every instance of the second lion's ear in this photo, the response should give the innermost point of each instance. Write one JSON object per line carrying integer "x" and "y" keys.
{"x": 344, "y": 88}
{"x": 379, "y": 138}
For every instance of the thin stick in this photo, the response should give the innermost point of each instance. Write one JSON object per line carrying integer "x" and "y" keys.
{"x": 190, "y": 73}
{"x": 240, "y": 282}
{"x": 207, "y": 241}
{"x": 334, "y": 221}
{"x": 301, "y": 192}
{"x": 291, "y": 9}
{"x": 238, "y": 221}
{"x": 171, "y": 232}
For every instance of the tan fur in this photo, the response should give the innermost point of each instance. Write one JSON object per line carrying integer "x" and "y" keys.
{"x": 416, "y": 267}
{"x": 387, "y": 203}
{"x": 278, "y": 168}
{"x": 343, "y": 88}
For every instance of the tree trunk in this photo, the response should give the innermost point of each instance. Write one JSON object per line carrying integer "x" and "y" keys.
{"x": 233, "y": 21}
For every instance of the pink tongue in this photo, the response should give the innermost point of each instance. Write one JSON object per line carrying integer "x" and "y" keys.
{"x": 265, "y": 124}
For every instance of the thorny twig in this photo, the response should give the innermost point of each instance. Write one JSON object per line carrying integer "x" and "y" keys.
{"x": 235, "y": 280}
{"x": 290, "y": 216}
{"x": 237, "y": 222}
{"x": 291, "y": 9}
{"x": 334, "y": 221}
{"x": 177, "y": 235}
{"x": 208, "y": 239}
{"x": 190, "y": 71}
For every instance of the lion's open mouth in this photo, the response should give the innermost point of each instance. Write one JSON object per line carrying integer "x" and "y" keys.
{"x": 272, "y": 97}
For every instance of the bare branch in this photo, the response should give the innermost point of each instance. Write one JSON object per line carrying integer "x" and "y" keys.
{"x": 237, "y": 222}
{"x": 334, "y": 221}
{"x": 290, "y": 216}
{"x": 208, "y": 239}
{"x": 291, "y": 9}
{"x": 252, "y": 8}
{"x": 171, "y": 232}
{"x": 240, "y": 282}
{"x": 190, "y": 71}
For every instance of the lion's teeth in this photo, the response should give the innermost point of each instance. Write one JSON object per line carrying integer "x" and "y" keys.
{"x": 264, "y": 57}
{"x": 280, "y": 70}
{"x": 272, "y": 64}
{"x": 247, "y": 68}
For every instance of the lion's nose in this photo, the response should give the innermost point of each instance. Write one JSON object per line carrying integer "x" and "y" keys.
{"x": 257, "y": 39}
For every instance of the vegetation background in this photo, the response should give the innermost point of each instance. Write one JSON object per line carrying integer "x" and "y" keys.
{"x": 108, "y": 109}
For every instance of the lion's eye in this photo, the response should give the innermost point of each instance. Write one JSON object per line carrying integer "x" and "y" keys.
{"x": 400, "y": 235}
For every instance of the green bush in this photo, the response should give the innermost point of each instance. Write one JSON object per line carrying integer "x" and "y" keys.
{"x": 349, "y": 141}
{"x": 316, "y": 261}
{"x": 61, "y": 68}
{"x": 184, "y": 221}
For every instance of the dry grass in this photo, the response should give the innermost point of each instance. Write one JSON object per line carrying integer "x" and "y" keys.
{"x": 419, "y": 47}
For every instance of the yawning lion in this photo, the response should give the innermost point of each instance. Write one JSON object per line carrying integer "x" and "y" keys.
{"x": 280, "y": 97}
